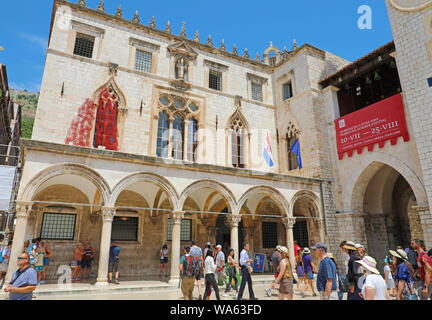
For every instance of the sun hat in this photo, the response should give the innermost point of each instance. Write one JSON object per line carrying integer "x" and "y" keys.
{"x": 278, "y": 247}
{"x": 358, "y": 245}
{"x": 350, "y": 246}
{"x": 208, "y": 243}
{"x": 283, "y": 249}
{"x": 319, "y": 245}
{"x": 330, "y": 255}
{"x": 306, "y": 250}
{"x": 399, "y": 253}
{"x": 369, "y": 263}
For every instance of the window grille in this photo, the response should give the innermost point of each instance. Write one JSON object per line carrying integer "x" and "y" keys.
{"x": 58, "y": 226}
{"x": 287, "y": 90}
{"x": 143, "y": 60}
{"x": 300, "y": 232}
{"x": 163, "y": 134}
{"x": 256, "y": 91}
{"x": 84, "y": 45}
{"x": 269, "y": 235}
{"x": 178, "y": 138}
{"x": 124, "y": 229}
{"x": 192, "y": 139}
{"x": 185, "y": 230}
{"x": 215, "y": 80}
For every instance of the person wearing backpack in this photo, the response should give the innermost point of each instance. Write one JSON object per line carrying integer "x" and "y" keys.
{"x": 188, "y": 265}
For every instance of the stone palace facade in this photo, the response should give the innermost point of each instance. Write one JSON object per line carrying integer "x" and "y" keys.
{"x": 148, "y": 137}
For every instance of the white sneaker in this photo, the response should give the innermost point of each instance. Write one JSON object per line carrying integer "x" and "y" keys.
{"x": 268, "y": 291}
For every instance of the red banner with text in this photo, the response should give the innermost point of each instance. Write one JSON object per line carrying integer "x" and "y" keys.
{"x": 376, "y": 124}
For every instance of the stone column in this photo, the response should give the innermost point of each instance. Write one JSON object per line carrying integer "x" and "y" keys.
{"x": 23, "y": 210}
{"x": 105, "y": 244}
{"x": 234, "y": 221}
{"x": 426, "y": 223}
{"x": 321, "y": 230}
{"x": 289, "y": 224}
{"x": 176, "y": 219}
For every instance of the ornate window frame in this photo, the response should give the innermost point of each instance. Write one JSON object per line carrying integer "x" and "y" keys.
{"x": 217, "y": 67}
{"x": 238, "y": 122}
{"x": 253, "y": 78}
{"x": 171, "y": 109}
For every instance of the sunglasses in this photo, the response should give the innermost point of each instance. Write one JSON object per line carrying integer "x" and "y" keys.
{"x": 21, "y": 258}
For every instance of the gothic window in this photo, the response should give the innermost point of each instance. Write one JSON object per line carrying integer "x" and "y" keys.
{"x": 192, "y": 126}
{"x": 162, "y": 135}
{"x": 238, "y": 140}
{"x": 177, "y": 128}
{"x": 105, "y": 133}
{"x": 84, "y": 45}
{"x": 178, "y": 134}
{"x": 292, "y": 158}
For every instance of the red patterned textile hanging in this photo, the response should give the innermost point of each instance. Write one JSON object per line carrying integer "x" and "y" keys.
{"x": 82, "y": 125}
{"x": 106, "y": 133}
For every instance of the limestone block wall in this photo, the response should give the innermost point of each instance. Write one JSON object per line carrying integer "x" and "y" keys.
{"x": 412, "y": 32}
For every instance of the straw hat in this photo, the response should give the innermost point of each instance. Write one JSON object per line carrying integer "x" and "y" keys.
{"x": 283, "y": 250}
{"x": 369, "y": 263}
{"x": 306, "y": 250}
{"x": 350, "y": 246}
{"x": 400, "y": 254}
{"x": 330, "y": 255}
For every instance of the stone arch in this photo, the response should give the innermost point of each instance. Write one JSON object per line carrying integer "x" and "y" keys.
{"x": 111, "y": 83}
{"x": 271, "y": 192}
{"x": 364, "y": 172}
{"x": 160, "y": 181}
{"x": 313, "y": 199}
{"x": 210, "y": 184}
{"x": 32, "y": 187}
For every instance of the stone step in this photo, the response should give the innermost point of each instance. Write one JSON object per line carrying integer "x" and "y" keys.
{"x": 126, "y": 286}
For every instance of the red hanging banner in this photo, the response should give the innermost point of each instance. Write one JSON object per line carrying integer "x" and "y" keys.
{"x": 378, "y": 123}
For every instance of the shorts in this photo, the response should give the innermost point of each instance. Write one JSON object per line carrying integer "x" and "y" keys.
{"x": 86, "y": 263}
{"x": 164, "y": 260}
{"x": 4, "y": 266}
{"x": 113, "y": 267}
{"x": 78, "y": 263}
{"x": 286, "y": 286}
{"x": 39, "y": 268}
{"x": 390, "y": 284}
{"x": 198, "y": 275}
{"x": 310, "y": 275}
{"x": 300, "y": 272}
{"x": 46, "y": 261}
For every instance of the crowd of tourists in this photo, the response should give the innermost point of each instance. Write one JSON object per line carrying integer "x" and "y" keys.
{"x": 407, "y": 273}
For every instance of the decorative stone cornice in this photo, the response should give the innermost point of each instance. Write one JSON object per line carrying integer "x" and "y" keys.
{"x": 108, "y": 213}
{"x": 168, "y": 27}
{"x": 176, "y": 217}
{"x": 246, "y": 53}
{"x": 234, "y": 49}
{"x": 196, "y": 36}
{"x": 222, "y": 46}
{"x": 289, "y": 222}
{"x": 183, "y": 30}
{"x": 209, "y": 41}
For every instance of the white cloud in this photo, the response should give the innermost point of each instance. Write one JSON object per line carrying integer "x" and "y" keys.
{"x": 39, "y": 41}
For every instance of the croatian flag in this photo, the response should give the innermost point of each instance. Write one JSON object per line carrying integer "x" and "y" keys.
{"x": 268, "y": 155}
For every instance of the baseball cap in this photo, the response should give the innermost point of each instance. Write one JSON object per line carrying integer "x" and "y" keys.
{"x": 320, "y": 245}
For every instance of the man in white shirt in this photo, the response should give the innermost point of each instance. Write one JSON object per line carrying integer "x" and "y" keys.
{"x": 245, "y": 262}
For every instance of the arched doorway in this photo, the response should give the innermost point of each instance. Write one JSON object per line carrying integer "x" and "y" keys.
{"x": 390, "y": 218}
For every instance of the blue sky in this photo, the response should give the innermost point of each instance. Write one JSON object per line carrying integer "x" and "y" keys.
{"x": 329, "y": 25}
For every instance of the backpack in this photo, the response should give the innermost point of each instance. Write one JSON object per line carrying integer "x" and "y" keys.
{"x": 191, "y": 266}
{"x": 343, "y": 283}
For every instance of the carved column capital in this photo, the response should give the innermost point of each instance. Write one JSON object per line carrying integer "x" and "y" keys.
{"x": 108, "y": 214}
{"x": 177, "y": 217}
{"x": 234, "y": 220}
{"x": 23, "y": 209}
{"x": 289, "y": 222}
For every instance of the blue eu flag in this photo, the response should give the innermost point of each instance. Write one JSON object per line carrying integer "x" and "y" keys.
{"x": 296, "y": 150}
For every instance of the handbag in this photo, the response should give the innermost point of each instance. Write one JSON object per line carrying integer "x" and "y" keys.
{"x": 250, "y": 269}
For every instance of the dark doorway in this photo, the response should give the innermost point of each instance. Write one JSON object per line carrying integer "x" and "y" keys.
{"x": 300, "y": 231}
{"x": 223, "y": 233}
